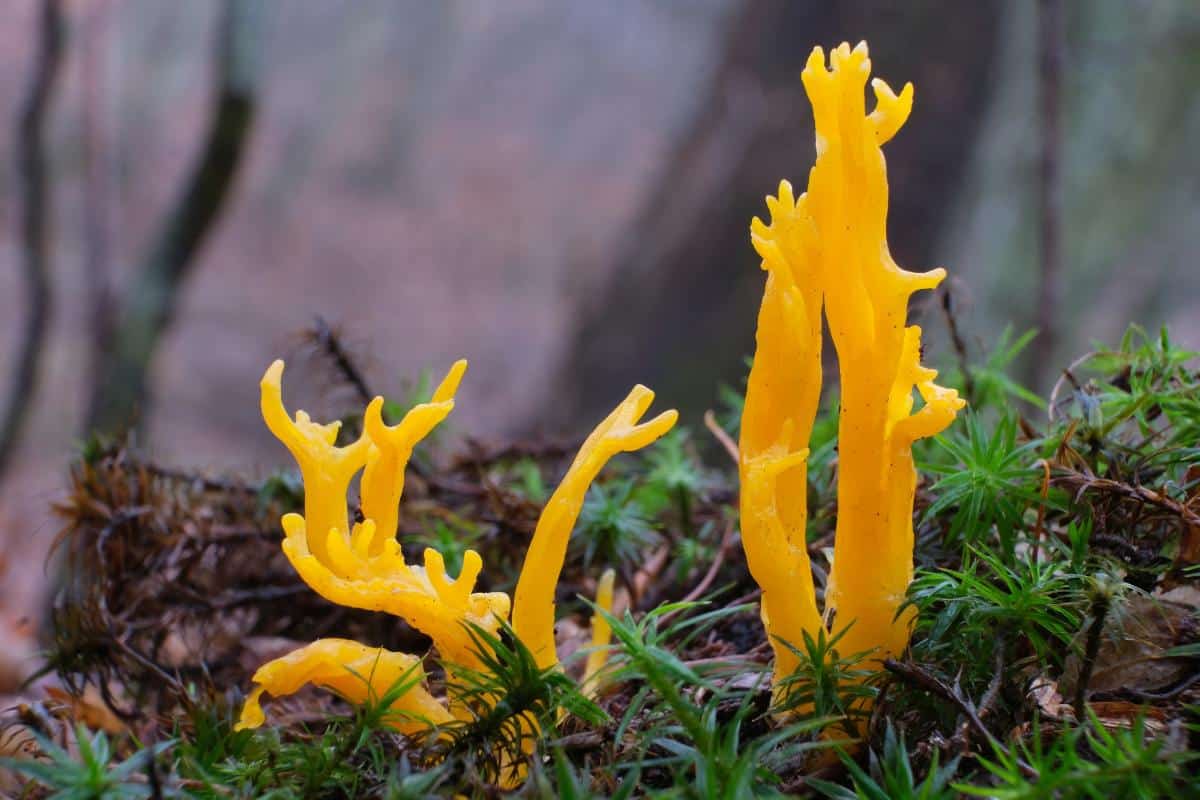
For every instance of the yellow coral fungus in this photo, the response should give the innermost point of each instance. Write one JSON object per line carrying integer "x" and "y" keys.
{"x": 362, "y": 565}
{"x": 828, "y": 248}
{"x": 356, "y": 672}
{"x": 601, "y": 634}
{"x": 533, "y": 609}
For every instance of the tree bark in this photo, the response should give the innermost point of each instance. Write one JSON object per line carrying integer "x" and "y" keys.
{"x": 36, "y": 209}
{"x": 679, "y": 312}
{"x": 120, "y": 394}
{"x": 1127, "y": 166}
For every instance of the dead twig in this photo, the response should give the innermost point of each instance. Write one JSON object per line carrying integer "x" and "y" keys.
{"x": 960, "y": 344}
{"x": 700, "y": 588}
{"x": 722, "y": 436}
{"x": 330, "y": 344}
{"x": 1099, "y": 613}
{"x": 1084, "y": 483}
{"x": 921, "y": 678}
{"x": 993, "y": 689}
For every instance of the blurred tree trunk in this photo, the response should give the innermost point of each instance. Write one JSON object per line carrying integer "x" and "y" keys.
{"x": 1128, "y": 166}
{"x": 97, "y": 200}
{"x": 36, "y": 208}
{"x": 679, "y": 312}
{"x": 147, "y": 306}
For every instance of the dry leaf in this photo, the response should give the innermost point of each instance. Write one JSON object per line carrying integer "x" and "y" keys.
{"x": 88, "y": 708}
{"x": 1046, "y": 696}
{"x": 1120, "y": 714}
{"x": 1132, "y": 647}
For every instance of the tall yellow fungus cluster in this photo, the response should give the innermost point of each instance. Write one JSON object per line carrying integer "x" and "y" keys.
{"x": 827, "y": 250}
{"x": 361, "y": 565}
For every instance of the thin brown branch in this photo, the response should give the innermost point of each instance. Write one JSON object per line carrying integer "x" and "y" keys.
{"x": 722, "y": 436}
{"x": 330, "y": 343}
{"x": 921, "y": 678}
{"x": 1083, "y": 484}
{"x": 35, "y": 224}
{"x": 960, "y": 344}
{"x": 1100, "y": 606}
{"x": 700, "y": 588}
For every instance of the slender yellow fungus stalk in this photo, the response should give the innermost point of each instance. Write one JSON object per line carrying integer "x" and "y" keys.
{"x": 362, "y": 566}
{"x": 829, "y": 248}
{"x": 325, "y": 469}
{"x": 866, "y": 302}
{"x": 781, "y": 403}
{"x": 601, "y": 634}
{"x": 533, "y": 601}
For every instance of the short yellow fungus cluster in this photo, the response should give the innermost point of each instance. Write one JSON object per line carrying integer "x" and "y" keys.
{"x": 361, "y": 565}
{"x": 827, "y": 250}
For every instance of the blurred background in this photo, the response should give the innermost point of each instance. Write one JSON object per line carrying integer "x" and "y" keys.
{"x": 558, "y": 191}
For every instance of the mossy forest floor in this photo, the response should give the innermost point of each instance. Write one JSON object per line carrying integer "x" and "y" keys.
{"x": 1056, "y": 651}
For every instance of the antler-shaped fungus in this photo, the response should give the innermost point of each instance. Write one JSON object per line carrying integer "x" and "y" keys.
{"x": 533, "y": 609}
{"x": 362, "y": 566}
{"x": 829, "y": 248}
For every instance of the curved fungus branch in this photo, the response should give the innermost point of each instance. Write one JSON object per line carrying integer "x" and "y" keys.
{"x": 362, "y": 565}
{"x": 827, "y": 250}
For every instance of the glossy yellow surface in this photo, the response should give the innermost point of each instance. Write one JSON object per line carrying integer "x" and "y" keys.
{"x": 828, "y": 248}
{"x": 781, "y": 404}
{"x": 362, "y": 566}
{"x": 354, "y": 671}
{"x": 601, "y": 634}
{"x": 533, "y": 601}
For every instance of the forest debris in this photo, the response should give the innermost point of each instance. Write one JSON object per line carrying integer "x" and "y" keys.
{"x": 648, "y": 574}
{"x": 1044, "y": 693}
{"x": 18, "y": 743}
{"x": 18, "y": 653}
{"x": 1112, "y": 714}
{"x": 1131, "y": 658}
{"x": 1189, "y": 542}
{"x": 1120, "y": 715}
{"x": 1185, "y": 595}
{"x": 88, "y": 708}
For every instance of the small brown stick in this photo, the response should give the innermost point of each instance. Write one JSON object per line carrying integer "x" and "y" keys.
{"x": 1139, "y": 696}
{"x": 722, "y": 436}
{"x": 1100, "y": 606}
{"x": 993, "y": 689}
{"x": 331, "y": 344}
{"x": 646, "y": 575}
{"x": 1086, "y": 483}
{"x": 206, "y": 483}
{"x": 748, "y": 597}
{"x": 918, "y": 676}
{"x": 960, "y": 345}
{"x": 700, "y": 588}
